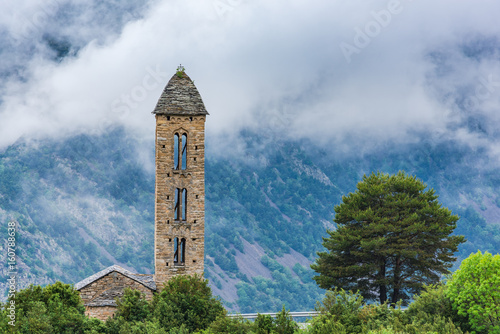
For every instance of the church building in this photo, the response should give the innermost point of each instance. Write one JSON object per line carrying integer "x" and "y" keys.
{"x": 179, "y": 202}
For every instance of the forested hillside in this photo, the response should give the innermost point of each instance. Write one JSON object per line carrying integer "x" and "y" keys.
{"x": 87, "y": 202}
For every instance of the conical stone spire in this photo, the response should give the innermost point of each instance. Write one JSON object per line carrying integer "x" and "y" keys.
{"x": 180, "y": 97}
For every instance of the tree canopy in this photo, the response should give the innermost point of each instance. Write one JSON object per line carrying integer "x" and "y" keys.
{"x": 392, "y": 236}
{"x": 474, "y": 291}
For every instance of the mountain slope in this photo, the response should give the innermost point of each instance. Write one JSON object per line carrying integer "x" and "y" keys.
{"x": 87, "y": 202}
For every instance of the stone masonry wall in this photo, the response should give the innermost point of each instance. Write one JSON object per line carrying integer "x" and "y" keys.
{"x": 100, "y": 312}
{"x": 99, "y": 295}
{"x": 167, "y": 180}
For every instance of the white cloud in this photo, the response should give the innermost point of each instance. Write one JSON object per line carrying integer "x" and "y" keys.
{"x": 262, "y": 64}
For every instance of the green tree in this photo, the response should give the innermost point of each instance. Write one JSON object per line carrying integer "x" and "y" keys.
{"x": 475, "y": 292}
{"x": 284, "y": 323}
{"x": 132, "y": 306}
{"x": 392, "y": 237}
{"x": 56, "y": 308}
{"x": 186, "y": 300}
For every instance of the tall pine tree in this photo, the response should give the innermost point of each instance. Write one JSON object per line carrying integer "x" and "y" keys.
{"x": 392, "y": 237}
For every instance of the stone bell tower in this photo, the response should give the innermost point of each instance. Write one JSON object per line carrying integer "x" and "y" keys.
{"x": 180, "y": 180}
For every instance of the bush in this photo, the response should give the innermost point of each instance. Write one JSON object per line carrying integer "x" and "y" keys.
{"x": 342, "y": 307}
{"x": 434, "y": 302}
{"x": 227, "y": 325}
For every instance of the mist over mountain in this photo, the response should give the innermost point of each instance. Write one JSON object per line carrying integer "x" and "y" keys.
{"x": 88, "y": 202}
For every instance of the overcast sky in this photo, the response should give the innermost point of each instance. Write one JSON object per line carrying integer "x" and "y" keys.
{"x": 337, "y": 71}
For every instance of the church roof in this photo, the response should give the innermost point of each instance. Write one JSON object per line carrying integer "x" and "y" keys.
{"x": 146, "y": 280}
{"x": 180, "y": 97}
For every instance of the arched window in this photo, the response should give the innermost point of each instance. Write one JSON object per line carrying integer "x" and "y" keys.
{"x": 184, "y": 204}
{"x": 184, "y": 152}
{"x": 176, "y": 250}
{"x": 180, "y": 204}
{"x": 176, "y": 151}
{"x": 180, "y": 151}
{"x": 182, "y": 250}
{"x": 177, "y": 203}
{"x": 179, "y": 251}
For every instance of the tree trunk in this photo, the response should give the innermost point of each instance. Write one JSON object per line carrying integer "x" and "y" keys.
{"x": 382, "y": 287}
{"x": 397, "y": 279}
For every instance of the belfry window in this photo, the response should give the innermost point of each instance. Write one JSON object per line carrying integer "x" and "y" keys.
{"x": 179, "y": 251}
{"x": 182, "y": 250}
{"x": 184, "y": 152}
{"x": 180, "y": 205}
{"x": 176, "y": 250}
{"x": 184, "y": 204}
{"x": 176, "y": 151}
{"x": 180, "y": 151}
{"x": 177, "y": 204}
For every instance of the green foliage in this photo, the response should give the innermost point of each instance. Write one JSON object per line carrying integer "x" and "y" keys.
{"x": 345, "y": 312}
{"x": 284, "y": 323}
{"x": 180, "y": 71}
{"x": 340, "y": 307}
{"x": 264, "y": 324}
{"x": 321, "y": 325}
{"x": 188, "y": 301}
{"x": 132, "y": 306}
{"x": 228, "y": 325}
{"x": 392, "y": 237}
{"x": 56, "y": 308}
{"x": 474, "y": 292}
{"x": 433, "y": 301}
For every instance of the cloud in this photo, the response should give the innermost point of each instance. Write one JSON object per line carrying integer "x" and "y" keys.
{"x": 280, "y": 66}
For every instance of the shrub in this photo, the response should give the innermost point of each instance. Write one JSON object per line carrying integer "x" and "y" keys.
{"x": 227, "y": 325}
{"x": 342, "y": 307}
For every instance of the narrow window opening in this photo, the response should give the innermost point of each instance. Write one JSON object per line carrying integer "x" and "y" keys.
{"x": 167, "y": 264}
{"x": 194, "y": 159}
{"x": 194, "y": 261}
{"x": 184, "y": 151}
{"x": 169, "y": 240}
{"x": 184, "y": 204}
{"x": 176, "y": 250}
{"x": 182, "y": 250}
{"x": 168, "y": 174}
{"x": 196, "y": 196}
{"x": 168, "y": 197}
{"x": 168, "y": 222}
{"x": 176, "y": 151}
{"x": 177, "y": 204}
{"x": 168, "y": 118}
{"x": 196, "y": 147}
{"x": 191, "y": 118}
{"x": 195, "y": 221}
{"x": 163, "y": 146}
